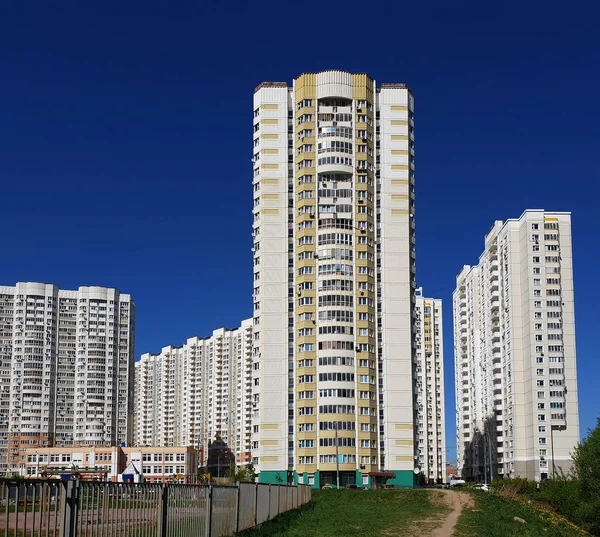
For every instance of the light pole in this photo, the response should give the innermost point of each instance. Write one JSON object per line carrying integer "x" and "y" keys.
{"x": 337, "y": 457}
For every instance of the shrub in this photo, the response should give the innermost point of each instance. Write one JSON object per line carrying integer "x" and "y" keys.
{"x": 511, "y": 488}
{"x": 587, "y": 465}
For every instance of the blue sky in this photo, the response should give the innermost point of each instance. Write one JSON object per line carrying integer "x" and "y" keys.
{"x": 125, "y": 142}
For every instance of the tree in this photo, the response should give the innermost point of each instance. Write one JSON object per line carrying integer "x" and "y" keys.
{"x": 587, "y": 465}
{"x": 244, "y": 474}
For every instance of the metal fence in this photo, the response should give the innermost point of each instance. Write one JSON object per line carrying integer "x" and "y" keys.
{"x": 73, "y": 508}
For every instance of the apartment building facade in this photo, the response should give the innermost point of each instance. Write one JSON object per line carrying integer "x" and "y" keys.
{"x": 67, "y": 368}
{"x": 334, "y": 280}
{"x": 187, "y": 395}
{"x": 430, "y": 423}
{"x": 514, "y": 349}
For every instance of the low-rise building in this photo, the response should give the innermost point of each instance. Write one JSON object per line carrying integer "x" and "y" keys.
{"x": 117, "y": 464}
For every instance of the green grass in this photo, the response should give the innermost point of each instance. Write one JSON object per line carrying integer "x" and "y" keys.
{"x": 493, "y": 516}
{"x": 342, "y": 513}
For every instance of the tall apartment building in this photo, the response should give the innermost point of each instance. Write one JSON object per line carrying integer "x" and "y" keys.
{"x": 430, "y": 422}
{"x": 67, "y": 368}
{"x": 187, "y": 395}
{"x": 334, "y": 280}
{"x": 514, "y": 351}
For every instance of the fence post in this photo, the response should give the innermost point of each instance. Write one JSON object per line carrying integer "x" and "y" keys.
{"x": 69, "y": 505}
{"x": 210, "y": 508}
{"x": 164, "y": 509}
{"x": 256, "y": 503}
{"x": 269, "y": 515}
{"x": 237, "y": 508}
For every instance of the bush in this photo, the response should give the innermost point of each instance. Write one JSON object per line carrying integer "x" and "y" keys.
{"x": 577, "y": 497}
{"x": 587, "y": 465}
{"x": 511, "y": 488}
{"x": 563, "y": 494}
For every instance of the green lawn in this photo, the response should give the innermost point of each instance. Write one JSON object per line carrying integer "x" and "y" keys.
{"x": 333, "y": 513}
{"x": 493, "y": 516}
{"x": 410, "y": 513}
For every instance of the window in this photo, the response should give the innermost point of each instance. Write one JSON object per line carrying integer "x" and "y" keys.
{"x": 542, "y": 440}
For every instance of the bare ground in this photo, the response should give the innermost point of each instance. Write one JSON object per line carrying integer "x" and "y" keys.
{"x": 440, "y": 525}
{"x": 456, "y": 501}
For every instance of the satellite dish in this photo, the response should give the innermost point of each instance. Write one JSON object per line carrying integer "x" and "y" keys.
{"x": 417, "y": 470}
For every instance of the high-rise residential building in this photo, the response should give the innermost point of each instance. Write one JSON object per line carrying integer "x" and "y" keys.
{"x": 334, "y": 280}
{"x": 67, "y": 368}
{"x": 187, "y": 395}
{"x": 514, "y": 352}
{"x": 430, "y": 421}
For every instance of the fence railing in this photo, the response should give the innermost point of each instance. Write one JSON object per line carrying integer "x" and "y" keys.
{"x": 73, "y": 508}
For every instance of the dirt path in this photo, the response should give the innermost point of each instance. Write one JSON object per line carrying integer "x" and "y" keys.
{"x": 456, "y": 501}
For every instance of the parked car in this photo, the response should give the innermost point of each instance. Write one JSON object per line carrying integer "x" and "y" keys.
{"x": 457, "y": 483}
{"x": 351, "y": 486}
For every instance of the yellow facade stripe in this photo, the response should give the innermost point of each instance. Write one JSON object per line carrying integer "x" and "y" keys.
{"x": 270, "y": 106}
{"x": 399, "y": 196}
{"x": 269, "y": 121}
{"x": 270, "y": 211}
{"x": 276, "y": 152}
{"x": 399, "y": 166}
{"x": 550, "y": 219}
{"x": 397, "y": 108}
{"x": 405, "y": 442}
{"x": 271, "y": 443}
{"x": 270, "y": 196}
{"x": 271, "y": 182}
{"x": 399, "y": 151}
{"x": 398, "y": 137}
{"x": 403, "y": 426}
{"x": 270, "y": 458}
{"x": 268, "y": 136}
{"x": 399, "y": 122}
{"x": 394, "y": 181}
{"x": 269, "y": 166}
{"x": 269, "y": 426}
{"x": 404, "y": 458}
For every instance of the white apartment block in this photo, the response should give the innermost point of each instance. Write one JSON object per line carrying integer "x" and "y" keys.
{"x": 334, "y": 280}
{"x": 187, "y": 395}
{"x": 67, "y": 368}
{"x": 430, "y": 425}
{"x": 514, "y": 351}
